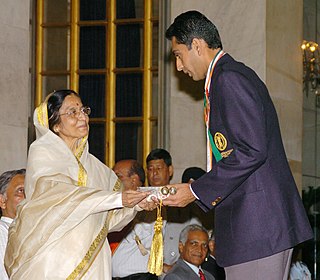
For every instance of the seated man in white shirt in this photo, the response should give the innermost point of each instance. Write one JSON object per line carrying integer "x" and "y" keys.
{"x": 132, "y": 176}
{"x": 130, "y": 172}
{"x": 11, "y": 194}
{"x": 193, "y": 248}
{"x": 131, "y": 246}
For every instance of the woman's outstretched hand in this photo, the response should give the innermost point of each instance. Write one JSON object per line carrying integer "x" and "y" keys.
{"x": 149, "y": 204}
{"x": 131, "y": 198}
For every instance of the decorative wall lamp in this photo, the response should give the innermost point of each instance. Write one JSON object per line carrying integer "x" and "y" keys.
{"x": 311, "y": 67}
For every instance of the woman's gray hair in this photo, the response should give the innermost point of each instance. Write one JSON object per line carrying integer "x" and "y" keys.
{"x": 7, "y": 176}
{"x": 194, "y": 227}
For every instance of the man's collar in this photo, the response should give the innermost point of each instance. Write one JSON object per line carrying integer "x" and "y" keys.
{"x": 6, "y": 219}
{"x": 193, "y": 267}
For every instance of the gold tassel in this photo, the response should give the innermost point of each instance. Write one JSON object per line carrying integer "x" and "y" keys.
{"x": 155, "y": 263}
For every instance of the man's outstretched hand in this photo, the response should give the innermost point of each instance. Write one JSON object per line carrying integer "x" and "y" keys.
{"x": 182, "y": 197}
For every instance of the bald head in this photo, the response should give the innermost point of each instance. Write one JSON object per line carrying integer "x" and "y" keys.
{"x": 130, "y": 172}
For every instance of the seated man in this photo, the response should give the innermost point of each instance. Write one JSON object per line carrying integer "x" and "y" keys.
{"x": 132, "y": 176}
{"x": 193, "y": 248}
{"x": 191, "y": 174}
{"x": 11, "y": 193}
{"x": 159, "y": 173}
{"x": 130, "y": 256}
{"x": 298, "y": 269}
{"x": 130, "y": 172}
{"x": 210, "y": 263}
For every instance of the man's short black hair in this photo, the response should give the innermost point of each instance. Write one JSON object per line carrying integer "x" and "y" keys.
{"x": 192, "y": 24}
{"x": 160, "y": 154}
{"x": 192, "y": 173}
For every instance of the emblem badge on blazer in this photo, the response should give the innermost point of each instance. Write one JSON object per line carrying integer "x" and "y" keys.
{"x": 220, "y": 141}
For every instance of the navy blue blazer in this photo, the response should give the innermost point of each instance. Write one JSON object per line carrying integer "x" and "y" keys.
{"x": 258, "y": 210}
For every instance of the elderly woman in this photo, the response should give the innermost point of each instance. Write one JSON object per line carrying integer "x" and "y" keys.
{"x": 72, "y": 200}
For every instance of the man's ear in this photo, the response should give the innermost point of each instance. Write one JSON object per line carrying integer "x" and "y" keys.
{"x": 180, "y": 246}
{"x": 135, "y": 179}
{"x": 170, "y": 171}
{"x": 3, "y": 201}
{"x": 197, "y": 45}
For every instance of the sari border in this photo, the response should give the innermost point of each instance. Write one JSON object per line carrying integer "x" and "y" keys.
{"x": 95, "y": 246}
{"x": 92, "y": 253}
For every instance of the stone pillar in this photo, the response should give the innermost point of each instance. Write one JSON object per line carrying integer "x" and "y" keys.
{"x": 15, "y": 84}
{"x": 284, "y": 75}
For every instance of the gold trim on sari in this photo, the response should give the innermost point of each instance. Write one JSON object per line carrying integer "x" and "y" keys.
{"x": 93, "y": 251}
{"x": 95, "y": 247}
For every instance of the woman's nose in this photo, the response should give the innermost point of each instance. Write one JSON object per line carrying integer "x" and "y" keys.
{"x": 81, "y": 115}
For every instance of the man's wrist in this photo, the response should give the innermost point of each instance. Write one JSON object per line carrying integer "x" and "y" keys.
{"x": 193, "y": 192}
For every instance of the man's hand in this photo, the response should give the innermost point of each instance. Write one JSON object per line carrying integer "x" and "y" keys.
{"x": 182, "y": 198}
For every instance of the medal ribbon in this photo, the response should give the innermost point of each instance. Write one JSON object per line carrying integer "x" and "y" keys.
{"x": 211, "y": 147}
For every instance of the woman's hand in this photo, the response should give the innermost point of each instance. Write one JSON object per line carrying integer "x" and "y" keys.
{"x": 149, "y": 204}
{"x": 130, "y": 198}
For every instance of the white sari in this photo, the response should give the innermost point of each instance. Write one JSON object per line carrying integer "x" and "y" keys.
{"x": 72, "y": 202}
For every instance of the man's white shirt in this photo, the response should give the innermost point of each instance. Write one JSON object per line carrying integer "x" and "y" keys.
{"x": 5, "y": 223}
{"x": 127, "y": 258}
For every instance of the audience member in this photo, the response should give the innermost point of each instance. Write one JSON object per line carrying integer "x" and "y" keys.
{"x": 210, "y": 263}
{"x": 298, "y": 270}
{"x": 159, "y": 173}
{"x": 132, "y": 176}
{"x": 191, "y": 174}
{"x": 159, "y": 167}
{"x": 130, "y": 257}
{"x": 130, "y": 172}
{"x": 11, "y": 194}
{"x": 193, "y": 248}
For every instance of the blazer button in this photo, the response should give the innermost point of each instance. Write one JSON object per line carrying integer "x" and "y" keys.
{"x": 215, "y": 202}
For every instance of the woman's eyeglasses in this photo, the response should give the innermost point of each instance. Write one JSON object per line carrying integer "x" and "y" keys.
{"x": 74, "y": 113}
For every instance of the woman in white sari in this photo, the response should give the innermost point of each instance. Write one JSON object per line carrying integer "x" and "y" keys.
{"x": 72, "y": 200}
